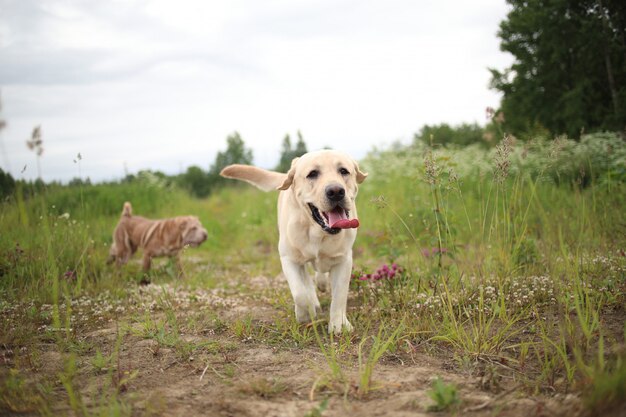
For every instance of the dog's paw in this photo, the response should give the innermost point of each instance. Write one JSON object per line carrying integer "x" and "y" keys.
{"x": 338, "y": 326}
{"x": 307, "y": 307}
{"x": 306, "y": 315}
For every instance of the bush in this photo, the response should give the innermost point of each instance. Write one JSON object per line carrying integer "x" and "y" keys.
{"x": 100, "y": 200}
{"x": 196, "y": 181}
{"x": 598, "y": 157}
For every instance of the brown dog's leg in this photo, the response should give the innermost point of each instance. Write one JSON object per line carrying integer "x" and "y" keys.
{"x": 121, "y": 260}
{"x": 179, "y": 266}
{"x": 147, "y": 260}
{"x": 145, "y": 279}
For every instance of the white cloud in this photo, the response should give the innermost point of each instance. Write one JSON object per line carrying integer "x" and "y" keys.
{"x": 156, "y": 84}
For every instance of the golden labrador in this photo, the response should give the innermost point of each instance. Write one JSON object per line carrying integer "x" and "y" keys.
{"x": 317, "y": 221}
{"x": 164, "y": 237}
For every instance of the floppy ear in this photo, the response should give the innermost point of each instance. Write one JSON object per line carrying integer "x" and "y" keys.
{"x": 112, "y": 253}
{"x": 360, "y": 176}
{"x": 182, "y": 224}
{"x": 292, "y": 172}
{"x": 121, "y": 248}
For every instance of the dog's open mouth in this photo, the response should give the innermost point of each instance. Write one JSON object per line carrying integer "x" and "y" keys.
{"x": 333, "y": 221}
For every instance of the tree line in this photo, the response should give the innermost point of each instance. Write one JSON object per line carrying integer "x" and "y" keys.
{"x": 200, "y": 183}
{"x": 196, "y": 180}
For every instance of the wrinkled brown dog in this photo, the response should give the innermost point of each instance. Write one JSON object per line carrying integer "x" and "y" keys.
{"x": 165, "y": 237}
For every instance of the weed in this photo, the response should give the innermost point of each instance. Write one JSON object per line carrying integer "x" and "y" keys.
{"x": 318, "y": 410}
{"x": 245, "y": 329}
{"x": 379, "y": 347}
{"x": 607, "y": 389}
{"x": 100, "y": 362}
{"x": 263, "y": 387}
{"x": 18, "y": 396}
{"x": 445, "y": 396}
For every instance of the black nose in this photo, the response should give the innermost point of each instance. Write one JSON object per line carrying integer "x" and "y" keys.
{"x": 335, "y": 193}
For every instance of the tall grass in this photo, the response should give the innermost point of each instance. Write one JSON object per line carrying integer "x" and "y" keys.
{"x": 507, "y": 241}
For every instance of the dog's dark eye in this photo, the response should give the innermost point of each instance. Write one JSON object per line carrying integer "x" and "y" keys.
{"x": 313, "y": 174}
{"x": 344, "y": 171}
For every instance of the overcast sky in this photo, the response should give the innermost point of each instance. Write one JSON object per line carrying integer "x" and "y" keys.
{"x": 157, "y": 84}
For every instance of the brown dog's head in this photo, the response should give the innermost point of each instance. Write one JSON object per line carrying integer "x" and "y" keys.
{"x": 191, "y": 230}
{"x": 122, "y": 248}
{"x": 112, "y": 254}
{"x": 326, "y": 184}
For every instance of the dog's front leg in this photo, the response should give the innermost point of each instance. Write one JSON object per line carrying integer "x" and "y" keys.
{"x": 302, "y": 290}
{"x": 339, "y": 285}
{"x": 322, "y": 281}
{"x": 147, "y": 260}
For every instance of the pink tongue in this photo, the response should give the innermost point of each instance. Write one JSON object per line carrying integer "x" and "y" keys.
{"x": 337, "y": 219}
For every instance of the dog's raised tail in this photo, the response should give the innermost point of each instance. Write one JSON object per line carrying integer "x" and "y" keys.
{"x": 127, "y": 211}
{"x": 259, "y": 177}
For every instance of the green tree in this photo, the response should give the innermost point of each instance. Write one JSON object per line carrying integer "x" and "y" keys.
{"x": 196, "y": 181}
{"x": 78, "y": 182}
{"x": 235, "y": 153}
{"x": 7, "y": 184}
{"x": 569, "y": 69}
{"x": 300, "y": 146}
{"x": 288, "y": 153}
{"x": 444, "y": 134}
{"x": 285, "y": 155}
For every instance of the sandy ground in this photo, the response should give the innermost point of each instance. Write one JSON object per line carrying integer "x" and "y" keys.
{"x": 251, "y": 377}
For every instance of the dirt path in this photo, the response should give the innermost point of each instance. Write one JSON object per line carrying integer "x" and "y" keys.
{"x": 186, "y": 352}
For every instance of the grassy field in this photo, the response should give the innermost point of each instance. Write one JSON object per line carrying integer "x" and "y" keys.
{"x": 485, "y": 283}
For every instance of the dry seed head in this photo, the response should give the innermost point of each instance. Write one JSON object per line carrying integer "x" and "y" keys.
{"x": 35, "y": 142}
{"x": 502, "y": 161}
{"x": 379, "y": 201}
{"x": 556, "y": 146}
{"x": 431, "y": 169}
{"x": 453, "y": 177}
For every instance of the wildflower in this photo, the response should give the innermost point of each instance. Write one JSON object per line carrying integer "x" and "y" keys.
{"x": 489, "y": 113}
{"x": 433, "y": 251}
{"x": 69, "y": 275}
{"x": 385, "y": 272}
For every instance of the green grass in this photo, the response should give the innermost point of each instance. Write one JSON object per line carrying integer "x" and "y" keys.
{"x": 445, "y": 396}
{"x": 506, "y": 274}
{"x": 380, "y": 345}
